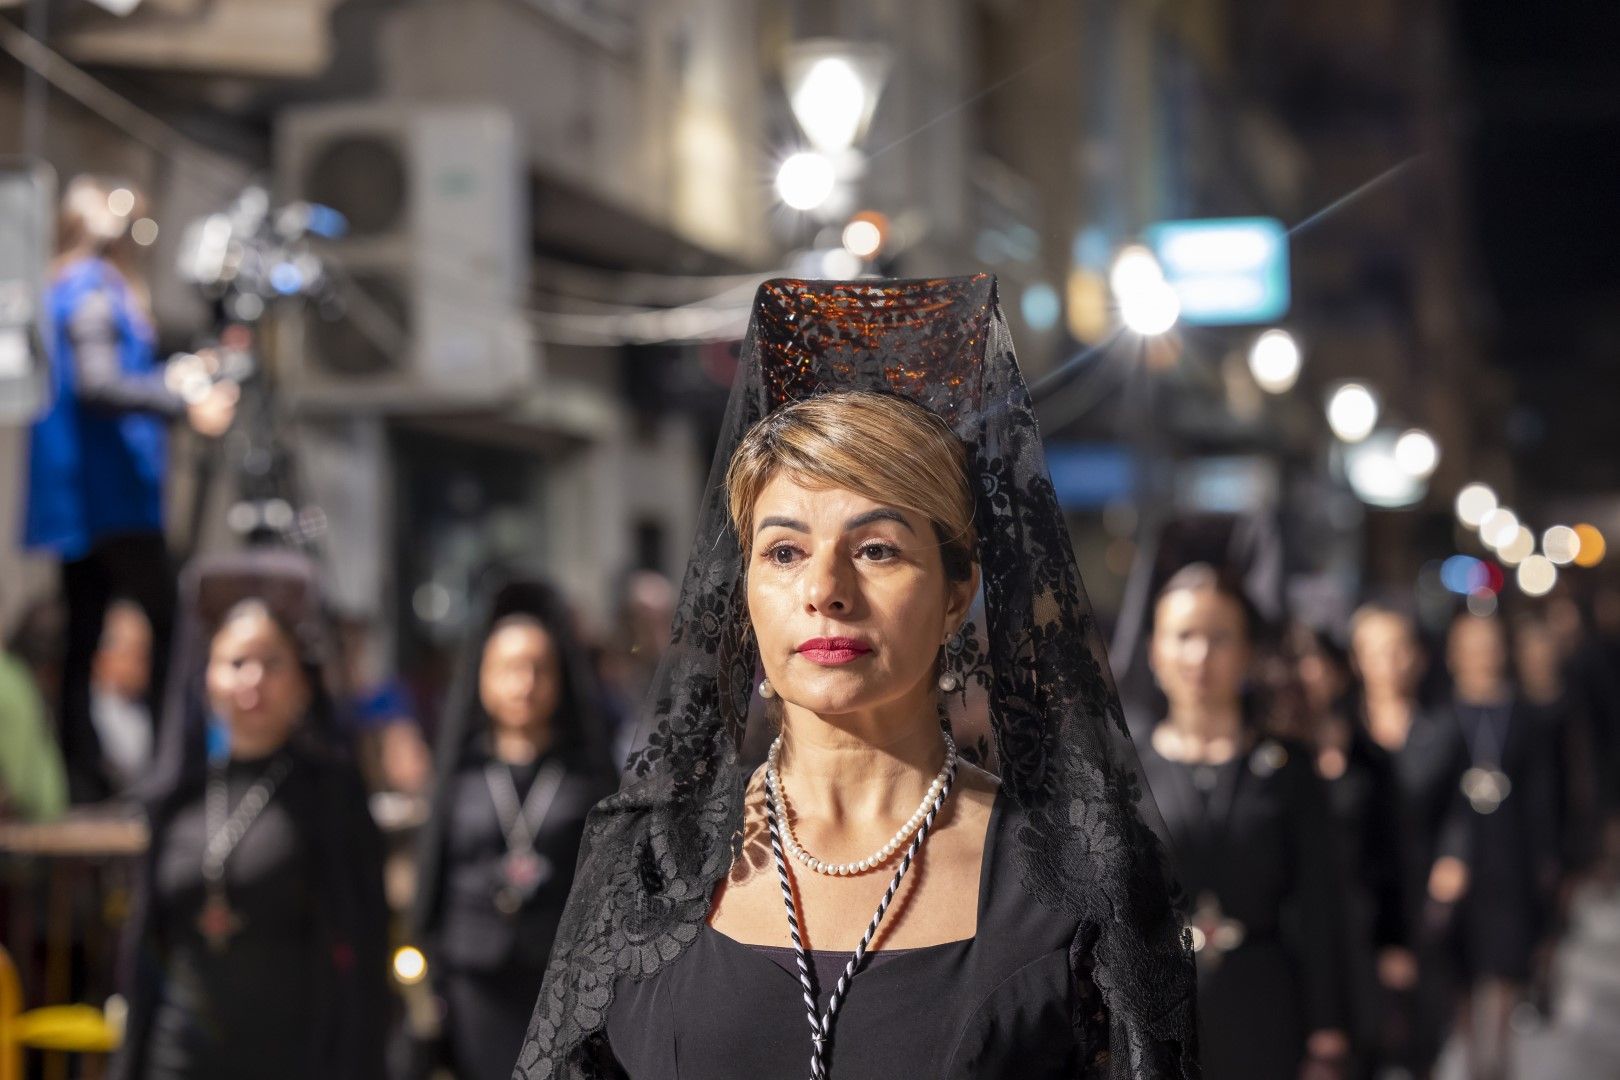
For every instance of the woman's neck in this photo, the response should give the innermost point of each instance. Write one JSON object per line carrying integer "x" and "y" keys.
{"x": 1201, "y": 731}
{"x": 1482, "y": 691}
{"x": 841, "y": 773}
{"x": 518, "y": 746}
{"x": 1389, "y": 717}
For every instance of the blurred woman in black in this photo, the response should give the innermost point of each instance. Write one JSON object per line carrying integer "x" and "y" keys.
{"x": 257, "y": 942}
{"x": 522, "y": 759}
{"x": 1511, "y": 836}
{"x": 1428, "y": 755}
{"x": 1364, "y": 798}
{"x": 1253, "y": 843}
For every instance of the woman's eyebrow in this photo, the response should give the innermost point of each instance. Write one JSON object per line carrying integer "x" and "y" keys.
{"x": 786, "y": 523}
{"x": 882, "y": 514}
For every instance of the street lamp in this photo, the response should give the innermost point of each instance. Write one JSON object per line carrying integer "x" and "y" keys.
{"x": 1417, "y": 453}
{"x": 1274, "y": 361}
{"x": 1473, "y": 503}
{"x": 833, "y": 87}
{"x": 806, "y": 180}
{"x": 1147, "y": 303}
{"x": 1352, "y": 412}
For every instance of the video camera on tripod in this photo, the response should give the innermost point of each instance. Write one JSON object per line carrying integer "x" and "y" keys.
{"x": 243, "y": 260}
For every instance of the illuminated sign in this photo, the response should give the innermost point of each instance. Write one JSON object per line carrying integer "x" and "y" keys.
{"x": 1225, "y": 271}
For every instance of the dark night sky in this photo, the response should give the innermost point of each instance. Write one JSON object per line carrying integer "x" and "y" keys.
{"x": 1542, "y": 120}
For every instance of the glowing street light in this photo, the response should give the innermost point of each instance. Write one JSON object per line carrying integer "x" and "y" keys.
{"x": 1537, "y": 575}
{"x": 1561, "y": 544}
{"x": 1274, "y": 361}
{"x": 862, "y": 238}
{"x": 1147, "y": 303}
{"x": 1417, "y": 453}
{"x": 806, "y": 180}
{"x": 1473, "y": 503}
{"x": 1499, "y": 527}
{"x": 833, "y": 87}
{"x": 1519, "y": 547}
{"x": 1592, "y": 548}
{"x": 1352, "y": 412}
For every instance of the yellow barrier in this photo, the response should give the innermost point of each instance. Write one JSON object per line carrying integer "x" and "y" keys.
{"x": 67, "y": 1029}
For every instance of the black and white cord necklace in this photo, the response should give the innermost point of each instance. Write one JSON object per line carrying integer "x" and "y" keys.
{"x": 218, "y": 923}
{"x": 523, "y": 869}
{"x": 821, "y": 1024}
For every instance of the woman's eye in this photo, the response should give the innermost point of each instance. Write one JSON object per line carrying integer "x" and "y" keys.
{"x": 781, "y": 554}
{"x": 878, "y": 552}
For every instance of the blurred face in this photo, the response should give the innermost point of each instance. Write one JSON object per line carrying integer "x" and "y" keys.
{"x": 1476, "y": 655}
{"x": 1200, "y": 652}
{"x": 1537, "y": 660}
{"x": 1323, "y": 680}
{"x": 1387, "y": 655}
{"x": 256, "y": 684}
{"x": 124, "y": 659}
{"x": 848, "y": 599}
{"x": 520, "y": 679}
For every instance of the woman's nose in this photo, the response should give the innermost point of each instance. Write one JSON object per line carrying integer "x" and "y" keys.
{"x": 827, "y": 585}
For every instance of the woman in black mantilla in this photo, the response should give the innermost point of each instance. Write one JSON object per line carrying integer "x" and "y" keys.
{"x": 1427, "y": 749}
{"x": 1511, "y": 840}
{"x": 1254, "y": 846}
{"x": 1364, "y": 802}
{"x": 257, "y": 942}
{"x": 867, "y": 901}
{"x": 521, "y": 760}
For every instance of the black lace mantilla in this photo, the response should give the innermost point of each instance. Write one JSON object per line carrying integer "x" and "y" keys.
{"x": 1037, "y": 679}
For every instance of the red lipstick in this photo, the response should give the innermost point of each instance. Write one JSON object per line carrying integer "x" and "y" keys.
{"x": 833, "y": 651}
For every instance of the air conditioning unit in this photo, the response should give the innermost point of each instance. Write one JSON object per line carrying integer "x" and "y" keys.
{"x": 432, "y": 275}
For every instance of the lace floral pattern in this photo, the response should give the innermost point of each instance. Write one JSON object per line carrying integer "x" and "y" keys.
{"x": 1036, "y": 696}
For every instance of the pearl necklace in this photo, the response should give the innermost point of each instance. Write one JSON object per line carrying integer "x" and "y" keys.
{"x": 778, "y": 799}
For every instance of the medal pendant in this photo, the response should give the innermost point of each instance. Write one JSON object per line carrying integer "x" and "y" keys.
{"x": 522, "y": 873}
{"x": 218, "y": 923}
{"x": 525, "y": 871}
{"x": 1213, "y": 934}
{"x": 1486, "y": 789}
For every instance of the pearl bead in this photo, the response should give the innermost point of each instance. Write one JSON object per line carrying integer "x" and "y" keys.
{"x": 777, "y": 797}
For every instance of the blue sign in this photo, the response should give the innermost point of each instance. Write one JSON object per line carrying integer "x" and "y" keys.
{"x": 1225, "y": 271}
{"x": 1090, "y": 475}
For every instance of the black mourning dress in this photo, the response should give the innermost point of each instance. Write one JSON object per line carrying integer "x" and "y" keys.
{"x": 299, "y": 991}
{"x": 1008, "y": 1002}
{"x": 1428, "y": 770}
{"x": 1512, "y": 850}
{"x": 1365, "y": 804}
{"x": 490, "y": 964}
{"x": 1254, "y": 844}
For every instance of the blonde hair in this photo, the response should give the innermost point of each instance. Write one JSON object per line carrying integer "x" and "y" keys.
{"x": 877, "y": 445}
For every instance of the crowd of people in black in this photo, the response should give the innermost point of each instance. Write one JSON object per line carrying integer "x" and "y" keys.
{"x": 1379, "y": 830}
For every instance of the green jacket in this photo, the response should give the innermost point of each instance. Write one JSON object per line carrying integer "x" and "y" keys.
{"x": 33, "y": 784}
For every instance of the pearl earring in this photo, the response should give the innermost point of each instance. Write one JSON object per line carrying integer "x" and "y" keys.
{"x": 948, "y": 682}
{"x": 766, "y": 690}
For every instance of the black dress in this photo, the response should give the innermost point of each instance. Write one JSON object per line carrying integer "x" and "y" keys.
{"x": 1255, "y": 849}
{"x": 1428, "y": 770}
{"x": 1365, "y": 804}
{"x": 1512, "y": 849}
{"x": 300, "y": 988}
{"x": 1014, "y": 1000}
{"x": 490, "y": 963}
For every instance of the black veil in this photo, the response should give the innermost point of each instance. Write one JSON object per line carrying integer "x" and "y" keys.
{"x": 1036, "y": 674}
{"x": 580, "y": 729}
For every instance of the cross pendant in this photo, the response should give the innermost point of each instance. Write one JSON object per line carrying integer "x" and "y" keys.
{"x": 218, "y": 923}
